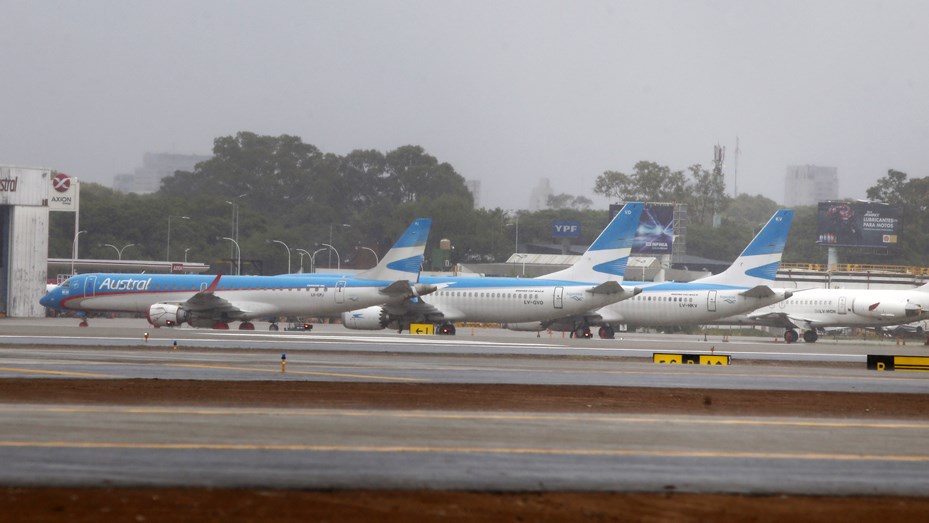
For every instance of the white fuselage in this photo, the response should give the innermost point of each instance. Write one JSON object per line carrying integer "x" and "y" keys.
{"x": 841, "y": 308}
{"x": 683, "y": 307}
{"x": 533, "y": 300}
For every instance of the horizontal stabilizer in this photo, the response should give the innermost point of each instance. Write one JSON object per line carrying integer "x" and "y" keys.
{"x": 610, "y": 287}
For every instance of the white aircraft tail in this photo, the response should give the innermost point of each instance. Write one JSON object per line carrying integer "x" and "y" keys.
{"x": 758, "y": 263}
{"x": 404, "y": 260}
{"x": 606, "y": 258}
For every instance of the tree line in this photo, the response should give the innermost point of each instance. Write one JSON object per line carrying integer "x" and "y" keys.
{"x": 258, "y": 189}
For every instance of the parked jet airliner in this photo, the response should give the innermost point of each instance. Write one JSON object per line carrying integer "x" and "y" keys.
{"x": 819, "y": 308}
{"x": 746, "y": 285}
{"x": 592, "y": 283}
{"x": 214, "y": 301}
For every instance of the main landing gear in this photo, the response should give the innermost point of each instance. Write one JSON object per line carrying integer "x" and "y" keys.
{"x": 606, "y": 332}
{"x": 448, "y": 329}
{"x": 582, "y": 332}
{"x": 809, "y": 336}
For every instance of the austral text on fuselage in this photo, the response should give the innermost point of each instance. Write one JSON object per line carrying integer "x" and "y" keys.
{"x": 127, "y": 284}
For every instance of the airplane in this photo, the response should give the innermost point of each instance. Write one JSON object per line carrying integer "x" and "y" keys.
{"x": 745, "y": 286}
{"x": 815, "y": 309}
{"x": 170, "y": 300}
{"x": 593, "y": 282}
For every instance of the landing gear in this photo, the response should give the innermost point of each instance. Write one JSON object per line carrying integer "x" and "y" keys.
{"x": 246, "y": 326}
{"x": 606, "y": 332}
{"x": 582, "y": 332}
{"x": 221, "y": 326}
{"x": 273, "y": 327}
{"x": 83, "y": 323}
{"x": 447, "y": 329}
{"x": 790, "y": 336}
{"x": 810, "y": 336}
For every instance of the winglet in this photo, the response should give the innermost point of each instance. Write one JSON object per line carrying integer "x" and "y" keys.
{"x": 606, "y": 258}
{"x": 212, "y": 287}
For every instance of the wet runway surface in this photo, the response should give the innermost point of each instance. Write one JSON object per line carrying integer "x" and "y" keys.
{"x": 287, "y": 447}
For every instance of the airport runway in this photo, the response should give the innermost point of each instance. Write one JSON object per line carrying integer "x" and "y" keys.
{"x": 70, "y": 443}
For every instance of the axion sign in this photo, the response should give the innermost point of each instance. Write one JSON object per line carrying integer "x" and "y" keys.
{"x": 61, "y": 182}
{"x": 66, "y": 193}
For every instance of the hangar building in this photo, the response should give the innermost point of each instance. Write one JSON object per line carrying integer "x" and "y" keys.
{"x": 24, "y": 219}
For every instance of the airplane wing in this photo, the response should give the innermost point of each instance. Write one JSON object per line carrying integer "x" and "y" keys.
{"x": 610, "y": 287}
{"x": 403, "y": 289}
{"x": 207, "y": 299}
{"x": 783, "y": 320}
{"x": 417, "y": 310}
{"x": 758, "y": 291}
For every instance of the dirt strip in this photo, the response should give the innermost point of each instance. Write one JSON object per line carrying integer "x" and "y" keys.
{"x": 477, "y": 397}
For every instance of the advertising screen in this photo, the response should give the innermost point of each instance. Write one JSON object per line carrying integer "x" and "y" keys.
{"x": 857, "y": 224}
{"x": 656, "y": 229}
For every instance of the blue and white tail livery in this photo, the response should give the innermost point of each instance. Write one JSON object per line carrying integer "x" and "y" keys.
{"x": 404, "y": 260}
{"x": 606, "y": 258}
{"x": 759, "y": 262}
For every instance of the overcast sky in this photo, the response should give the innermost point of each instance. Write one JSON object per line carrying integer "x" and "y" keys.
{"x": 506, "y": 92}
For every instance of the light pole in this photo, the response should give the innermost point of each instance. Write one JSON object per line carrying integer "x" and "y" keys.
{"x": 235, "y": 218}
{"x": 168, "y": 255}
{"x": 376, "y": 260}
{"x": 516, "y": 214}
{"x": 313, "y": 259}
{"x": 119, "y": 252}
{"x": 185, "y": 253}
{"x": 74, "y": 249}
{"x": 338, "y": 258}
{"x": 238, "y": 259}
{"x": 330, "y": 241}
{"x": 301, "y": 252}
{"x": 288, "y": 253}
{"x": 522, "y": 257}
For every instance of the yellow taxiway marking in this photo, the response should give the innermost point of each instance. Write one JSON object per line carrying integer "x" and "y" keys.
{"x": 586, "y": 418}
{"x": 55, "y": 372}
{"x": 812, "y": 456}
{"x": 311, "y": 373}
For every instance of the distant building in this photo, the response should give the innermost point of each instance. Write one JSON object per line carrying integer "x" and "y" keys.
{"x": 475, "y": 187}
{"x": 155, "y": 166}
{"x": 810, "y": 184}
{"x": 538, "y": 199}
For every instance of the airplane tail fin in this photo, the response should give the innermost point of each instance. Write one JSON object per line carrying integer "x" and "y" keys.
{"x": 758, "y": 263}
{"x": 606, "y": 258}
{"x": 404, "y": 260}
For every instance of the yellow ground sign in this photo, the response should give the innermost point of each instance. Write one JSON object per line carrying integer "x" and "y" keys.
{"x": 422, "y": 328}
{"x": 691, "y": 359}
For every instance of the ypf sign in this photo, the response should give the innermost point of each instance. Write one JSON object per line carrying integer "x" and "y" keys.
{"x": 566, "y": 229}
{"x": 65, "y": 193}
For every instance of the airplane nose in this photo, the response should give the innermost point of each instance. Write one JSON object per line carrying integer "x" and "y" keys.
{"x": 46, "y": 300}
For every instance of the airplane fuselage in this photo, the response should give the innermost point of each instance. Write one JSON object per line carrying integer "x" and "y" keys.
{"x": 257, "y": 296}
{"x": 840, "y": 308}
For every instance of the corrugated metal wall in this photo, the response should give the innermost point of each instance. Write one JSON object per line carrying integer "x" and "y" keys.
{"x": 28, "y": 265}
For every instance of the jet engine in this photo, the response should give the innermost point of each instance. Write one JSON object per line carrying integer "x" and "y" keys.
{"x": 166, "y": 315}
{"x": 531, "y": 326}
{"x": 887, "y": 309}
{"x": 370, "y": 319}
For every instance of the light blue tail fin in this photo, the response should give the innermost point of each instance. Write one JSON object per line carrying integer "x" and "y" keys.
{"x": 606, "y": 258}
{"x": 758, "y": 263}
{"x": 404, "y": 260}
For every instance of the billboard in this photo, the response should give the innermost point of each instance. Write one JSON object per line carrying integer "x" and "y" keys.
{"x": 655, "y": 234}
{"x": 566, "y": 229}
{"x": 857, "y": 224}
